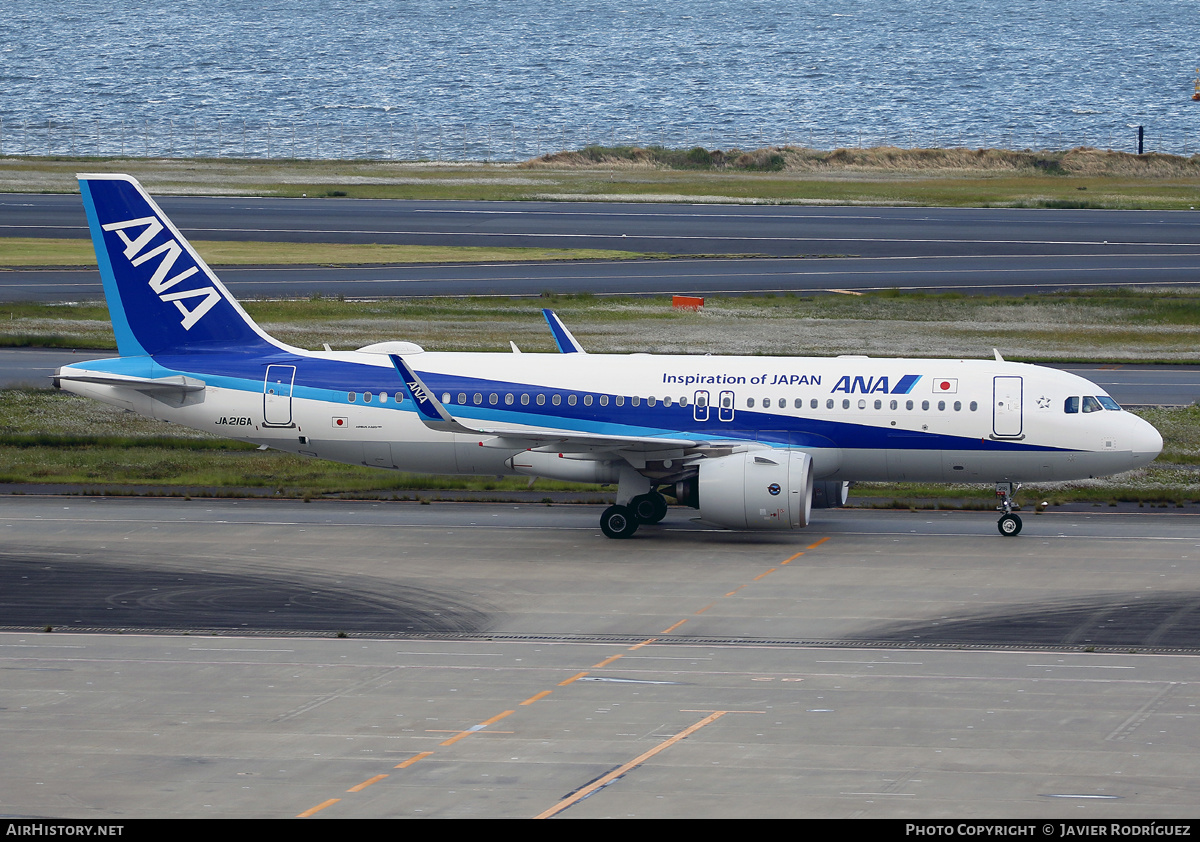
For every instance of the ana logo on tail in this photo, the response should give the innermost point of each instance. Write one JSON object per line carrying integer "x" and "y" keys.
{"x": 159, "y": 282}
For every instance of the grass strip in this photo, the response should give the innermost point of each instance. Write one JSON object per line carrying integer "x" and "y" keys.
{"x": 55, "y": 437}
{"x": 1107, "y": 326}
{"x": 26, "y": 252}
{"x": 1074, "y": 178}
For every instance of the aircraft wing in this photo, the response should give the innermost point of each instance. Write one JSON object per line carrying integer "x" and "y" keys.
{"x": 435, "y": 416}
{"x": 567, "y": 344}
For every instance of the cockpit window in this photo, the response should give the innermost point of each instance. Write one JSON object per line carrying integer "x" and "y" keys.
{"x": 1090, "y": 404}
{"x": 1108, "y": 403}
{"x": 1071, "y": 406}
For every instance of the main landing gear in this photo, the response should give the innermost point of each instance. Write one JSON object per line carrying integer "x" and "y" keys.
{"x": 622, "y": 521}
{"x": 1009, "y": 523}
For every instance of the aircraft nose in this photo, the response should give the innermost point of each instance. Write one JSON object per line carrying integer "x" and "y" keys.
{"x": 1145, "y": 441}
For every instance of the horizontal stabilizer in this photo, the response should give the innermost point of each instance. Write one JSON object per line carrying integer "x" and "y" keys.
{"x": 177, "y": 384}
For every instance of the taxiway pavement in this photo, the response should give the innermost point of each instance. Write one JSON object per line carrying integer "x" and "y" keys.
{"x": 509, "y": 661}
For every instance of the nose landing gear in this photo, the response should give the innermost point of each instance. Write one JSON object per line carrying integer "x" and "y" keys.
{"x": 1009, "y": 523}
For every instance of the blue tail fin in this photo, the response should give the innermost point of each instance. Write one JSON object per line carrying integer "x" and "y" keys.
{"x": 162, "y": 297}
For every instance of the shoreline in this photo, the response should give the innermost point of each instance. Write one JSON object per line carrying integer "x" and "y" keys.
{"x": 1082, "y": 178}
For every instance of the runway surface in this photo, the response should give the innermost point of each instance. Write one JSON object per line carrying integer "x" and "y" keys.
{"x": 972, "y": 275}
{"x": 807, "y": 249}
{"x": 778, "y": 230}
{"x": 509, "y": 661}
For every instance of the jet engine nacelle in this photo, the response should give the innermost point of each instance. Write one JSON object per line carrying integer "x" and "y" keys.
{"x": 761, "y": 489}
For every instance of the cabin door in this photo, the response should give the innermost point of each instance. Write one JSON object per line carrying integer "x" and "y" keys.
{"x": 277, "y": 395}
{"x": 1006, "y": 406}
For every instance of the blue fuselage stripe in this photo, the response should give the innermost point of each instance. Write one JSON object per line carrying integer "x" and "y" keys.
{"x": 334, "y": 381}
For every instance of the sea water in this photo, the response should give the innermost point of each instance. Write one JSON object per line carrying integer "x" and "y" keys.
{"x": 506, "y": 79}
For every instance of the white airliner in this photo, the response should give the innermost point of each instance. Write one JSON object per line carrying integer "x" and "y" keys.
{"x": 752, "y": 442}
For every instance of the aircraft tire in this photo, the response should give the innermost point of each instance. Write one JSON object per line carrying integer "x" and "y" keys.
{"x": 618, "y": 522}
{"x": 1009, "y": 525}
{"x": 649, "y": 508}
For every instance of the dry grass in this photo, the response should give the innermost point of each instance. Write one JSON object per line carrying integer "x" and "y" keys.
{"x": 1100, "y": 327}
{"x": 1082, "y": 161}
{"x": 878, "y": 176}
{"x": 56, "y": 437}
{"x": 36, "y": 251}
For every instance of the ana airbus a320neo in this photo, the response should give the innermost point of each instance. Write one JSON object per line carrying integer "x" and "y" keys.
{"x": 751, "y": 442}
